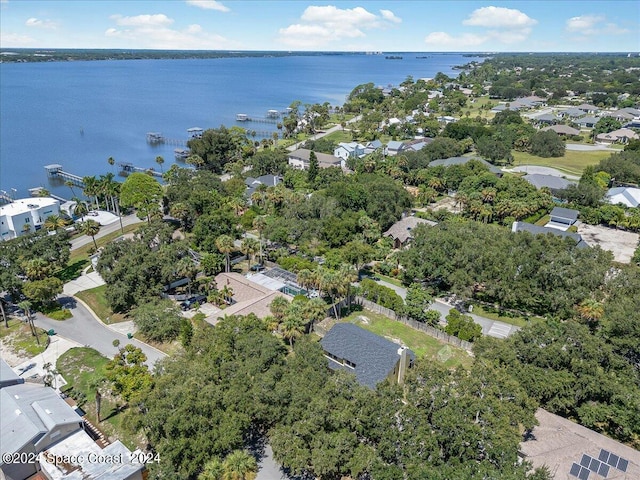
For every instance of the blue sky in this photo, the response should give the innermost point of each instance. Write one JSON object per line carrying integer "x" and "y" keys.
{"x": 390, "y": 25}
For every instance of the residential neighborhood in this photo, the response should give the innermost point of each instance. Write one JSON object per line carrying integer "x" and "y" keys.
{"x": 436, "y": 279}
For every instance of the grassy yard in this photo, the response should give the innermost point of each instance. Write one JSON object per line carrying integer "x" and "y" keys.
{"x": 18, "y": 339}
{"x": 572, "y": 163}
{"x": 82, "y": 253}
{"x": 422, "y": 344}
{"x": 83, "y": 369}
{"x": 511, "y": 320}
{"x": 97, "y": 301}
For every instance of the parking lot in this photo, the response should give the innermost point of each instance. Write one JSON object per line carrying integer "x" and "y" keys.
{"x": 622, "y": 244}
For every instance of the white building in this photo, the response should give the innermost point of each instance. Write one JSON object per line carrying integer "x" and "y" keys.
{"x": 629, "y": 197}
{"x": 26, "y": 215}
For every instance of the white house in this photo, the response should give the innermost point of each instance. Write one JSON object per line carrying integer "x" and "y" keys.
{"x": 349, "y": 150}
{"x": 627, "y": 196}
{"x": 26, "y": 215}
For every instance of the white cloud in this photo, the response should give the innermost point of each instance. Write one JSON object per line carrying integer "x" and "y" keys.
{"x": 389, "y": 15}
{"x": 15, "y": 40}
{"x": 593, "y": 25}
{"x": 499, "y": 17}
{"x": 447, "y": 41}
{"x": 156, "y": 32}
{"x": 37, "y": 23}
{"x": 142, "y": 20}
{"x": 208, "y": 5}
{"x": 321, "y": 25}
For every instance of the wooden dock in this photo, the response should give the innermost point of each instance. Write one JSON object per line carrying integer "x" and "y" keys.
{"x": 241, "y": 117}
{"x": 127, "y": 168}
{"x": 55, "y": 171}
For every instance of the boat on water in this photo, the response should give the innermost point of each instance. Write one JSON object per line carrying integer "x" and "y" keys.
{"x": 242, "y": 117}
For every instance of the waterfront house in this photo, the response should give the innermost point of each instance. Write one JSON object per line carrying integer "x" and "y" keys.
{"x": 370, "y": 357}
{"x": 26, "y": 215}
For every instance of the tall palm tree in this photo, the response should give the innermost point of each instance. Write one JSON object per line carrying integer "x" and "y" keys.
{"x": 224, "y": 243}
{"x": 80, "y": 209}
{"x": 4, "y": 314}
{"x": 239, "y": 465}
{"x": 69, "y": 184}
{"x": 185, "y": 268}
{"x": 293, "y": 325}
{"x": 227, "y": 294}
{"x": 111, "y": 161}
{"x": 259, "y": 223}
{"x": 91, "y": 228}
{"x": 314, "y": 311}
{"x": 160, "y": 161}
{"x": 305, "y": 278}
{"x": 25, "y": 306}
{"x": 249, "y": 247}
{"x": 91, "y": 188}
{"x": 37, "y": 269}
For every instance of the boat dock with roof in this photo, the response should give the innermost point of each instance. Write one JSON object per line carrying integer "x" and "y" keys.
{"x": 55, "y": 171}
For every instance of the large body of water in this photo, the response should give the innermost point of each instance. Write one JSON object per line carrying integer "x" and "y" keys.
{"x": 79, "y": 114}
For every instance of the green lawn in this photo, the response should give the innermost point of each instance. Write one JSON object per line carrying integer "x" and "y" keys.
{"x": 84, "y": 368}
{"x": 518, "y": 321}
{"x": 572, "y": 163}
{"x": 422, "y": 344}
{"x": 19, "y": 339}
{"x": 97, "y": 301}
{"x": 82, "y": 253}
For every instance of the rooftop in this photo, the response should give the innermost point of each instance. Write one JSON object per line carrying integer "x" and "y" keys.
{"x": 567, "y": 213}
{"x": 552, "y": 182}
{"x": 538, "y": 230}
{"x": 627, "y": 196}
{"x": 401, "y": 230}
{"x": 447, "y": 162}
{"x": 559, "y": 443}
{"x": 23, "y": 205}
{"x": 374, "y": 356}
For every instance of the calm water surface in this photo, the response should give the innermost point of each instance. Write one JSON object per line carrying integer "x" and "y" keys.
{"x": 79, "y": 114}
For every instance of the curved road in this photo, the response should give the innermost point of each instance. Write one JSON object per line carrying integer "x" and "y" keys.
{"x": 85, "y": 329}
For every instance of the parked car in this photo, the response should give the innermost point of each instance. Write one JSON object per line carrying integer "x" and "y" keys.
{"x": 191, "y": 301}
{"x": 257, "y": 267}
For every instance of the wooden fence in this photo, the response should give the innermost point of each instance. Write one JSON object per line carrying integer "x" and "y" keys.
{"x": 423, "y": 327}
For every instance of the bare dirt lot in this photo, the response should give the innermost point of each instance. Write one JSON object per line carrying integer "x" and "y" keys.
{"x": 622, "y": 244}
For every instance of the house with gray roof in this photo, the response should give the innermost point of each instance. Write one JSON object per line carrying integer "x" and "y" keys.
{"x": 538, "y": 230}
{"x": 587, "y": 122}
{"x": 551, "y": 182}
{"x": 394, "y": 147}
{"x": 571, "y": 113}
{"x": 622, "y": 135}
{"x": 253, "y": 183}
{"x": 545, "y": 118}
{"x": 300, "y": 159}
{"x": 627, "y": 196}
{"x": 373, "y": 146}
{"x": 401, "y": 231}
{"x": 370, "y": 357}
{"x": 588, "y": 108}
{"x": 349, "y": 150}
{"x": 562, "y": 130}
{"x": 562, "y": 218}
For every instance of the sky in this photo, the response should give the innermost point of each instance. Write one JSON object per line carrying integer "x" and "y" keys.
{"x": 293, "y": 25}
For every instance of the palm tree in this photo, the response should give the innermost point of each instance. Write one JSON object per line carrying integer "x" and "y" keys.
{"x": 25, "y": 306}
{"x": 80, "y": 209}
{"x": 305, "y": 278}
{"x": 91, "y": 228}
{"x": 249, "y": 247}
{"x": 239, "y": 465}
{"x": 292, "y": 325}
{"x": 227, "y": 294}
{"x": 259, "y": 223}
{"x": 278, "y": 307}
{"x": 591, "y": 311}
{"x": 213, "y": 470}
{"x": 91, "y": 188}
{"x": 54, "y": 222}
{"x": 69, "y": 184}
{"x": 37, "y": 269}
{"x": 160, "y": 161}
{"x": 224, "y": 243}
{"x": 111, "y": 161}
{"x": 187, "y": 269}
{"x": 314, "y": 311}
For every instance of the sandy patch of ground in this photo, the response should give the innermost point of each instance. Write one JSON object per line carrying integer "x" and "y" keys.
{"x": 447, "y": 203}
{"x": 622, "y": 244}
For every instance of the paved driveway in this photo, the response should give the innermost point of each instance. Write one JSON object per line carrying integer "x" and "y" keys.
{"x": 85, "y": 329}
{"x": 492, "y": 328}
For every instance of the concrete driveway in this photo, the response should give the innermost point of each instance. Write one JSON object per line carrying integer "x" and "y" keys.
{"x": 492, "y": 328}
{"x": 85, "y": 281}
{"x": 85, "y": 329}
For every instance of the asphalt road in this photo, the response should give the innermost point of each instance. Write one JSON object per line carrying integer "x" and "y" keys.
{"x": 492, "y": 328}
{"x": 86, "y": 330}
{"x": 104, "y": 230}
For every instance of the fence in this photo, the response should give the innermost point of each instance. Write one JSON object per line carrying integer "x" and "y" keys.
{"x": 428, "y": 329}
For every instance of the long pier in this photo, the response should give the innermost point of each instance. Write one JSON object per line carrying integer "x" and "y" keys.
{"x": 241, "y": 117}
{"x": 55, "y": 171}
{"x": 130, "y": 168}
{"x": 5, "y": 198}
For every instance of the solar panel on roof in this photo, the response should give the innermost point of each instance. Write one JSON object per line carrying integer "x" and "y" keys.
{"x": 584, "y": 474}
{"x": 623, "y": 464}
{"x": 595, "y": 465}
{"x": 585, "y": 461}
{"x": 604, "y": 470}
{"x": 604, "y": 456}
{"x": 575, "y": 470}
{"x": 613, "y": 460}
